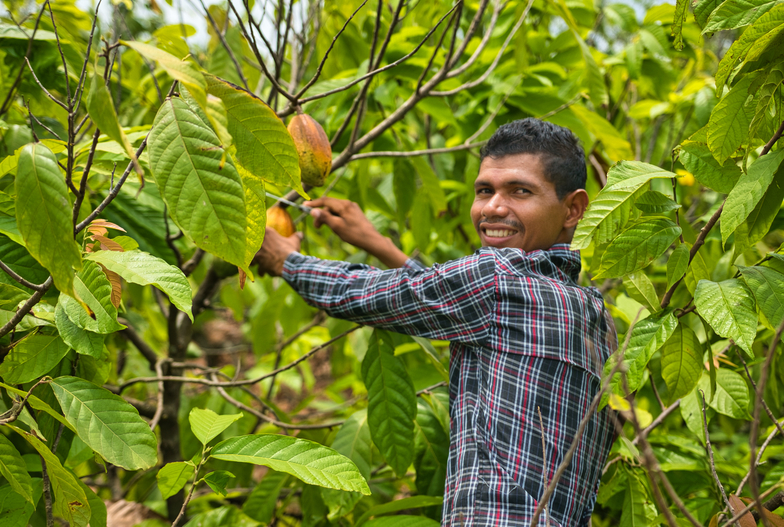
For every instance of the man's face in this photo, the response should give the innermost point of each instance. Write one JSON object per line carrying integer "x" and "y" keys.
{"x": 516, "y": 206}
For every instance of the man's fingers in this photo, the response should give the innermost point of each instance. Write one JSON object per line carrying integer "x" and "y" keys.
{"x": 325, "y": 217}
{"x": 333, "y": 204}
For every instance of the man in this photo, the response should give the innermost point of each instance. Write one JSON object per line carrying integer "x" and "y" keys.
{"x": 525, "y": 338}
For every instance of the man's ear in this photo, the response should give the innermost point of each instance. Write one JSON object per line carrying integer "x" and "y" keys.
{"x": 575, "y": 202}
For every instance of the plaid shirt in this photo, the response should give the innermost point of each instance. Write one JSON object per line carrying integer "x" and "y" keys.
{"x": 524, "y": 336}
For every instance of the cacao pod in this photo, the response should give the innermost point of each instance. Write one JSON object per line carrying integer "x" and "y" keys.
{"x": 315, "y": 153}
{"x": 279, "y": 219}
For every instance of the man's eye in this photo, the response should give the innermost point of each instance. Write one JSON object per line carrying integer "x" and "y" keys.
{"x": 522, "y": 191}
{"x": 483, "y": 191}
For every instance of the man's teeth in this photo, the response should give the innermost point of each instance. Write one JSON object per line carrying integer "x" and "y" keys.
{"x": 493, "y": 233}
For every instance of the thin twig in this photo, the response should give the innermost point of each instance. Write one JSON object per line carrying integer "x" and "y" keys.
{"x": 26, "y": 307}
{"x": 544, "y": 464}
{"x": 57, "y": 101}
{"x": 9, "y": 98}
{"x": 159, "y": 408}
{"x": 414, "y": 153}
{"x": 10, "y": 272}
{"x": 709, "y": 449}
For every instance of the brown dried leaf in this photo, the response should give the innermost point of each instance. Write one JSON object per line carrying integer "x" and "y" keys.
{"x": 243, "y": 276}
{"x": 107, "y": 244}
{"x": 107, "y": 224}
{"x": 747, "y": 520}
{"x": 774, "y": 519}
{"x": 116, "y": 282}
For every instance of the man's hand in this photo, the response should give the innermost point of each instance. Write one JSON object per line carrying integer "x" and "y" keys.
{"x": 348, "y": 221}
{"x": 275, "y": 250}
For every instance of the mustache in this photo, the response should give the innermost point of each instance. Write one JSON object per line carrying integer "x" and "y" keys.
{"x": 515, "y": 225}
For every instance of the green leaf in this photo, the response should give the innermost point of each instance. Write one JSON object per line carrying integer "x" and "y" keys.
{"x": 656, "y": 203}
{"x": 264, "y": 146}
{"x": 616, "y": 146}
{"x": 729, "y": 122}
{"x": 732, "y": 394}
{"x": 95, "y": 290}
{"x": 172, "y": 477}
{"x": 749, "y": 191}
{"x": 637, "y": 246}
{"x": 353, "y": 441}
{"x": 207, "y": 425}
{"x": 98, "y": 515}
{"x": 38, "y": 404}
{"x": 13, "y": 469}
{"x": 391, "y": 403}
{"x": 10, "y": 297}
{"x": 106, "y": 423}
{"x": 19, "y": 260}
{"x": 198, "y": 182}
{"x": 70, "y": 501}
{"x": 413, "y": 502}
{"x": 681, "y": 362}
{"x": 218, "y": 480}
{"x": 256, "y": 205}
{"x": 43, "y": 215}
{"x": 760, "y": 219}
{"x": 83, "y": 341}
{"x": 639, "y": 287}
{"x": 15, "y": 508}
{"x": 729, "y": 308}
{"x": 185, "y": 72}
{"x": 142, "y": 268}
{"x": 763, "y": 30}
{"x": 262, "y": 500}
{"x": 638, "y": 509}
{"x": 611, "y": 209}
{"x": 677, "y": 264}
{"x": 767, "y": 101}
{"x": 431, "y": 448}
{"x": 697, "y": 158}
{"x": 431, "y": 187}
{"x": 402, "y": 520}
{"x": 699, "y": 269}
{"x": 32, "y": 357}
{"x": 648, "y": 335}
{"x": 732, "y": 14}
{"x": 101, "y": 110}
{"x": 768, "y": 288}
{"x": 681, "y": 10}
{"x": 311, "y": 462}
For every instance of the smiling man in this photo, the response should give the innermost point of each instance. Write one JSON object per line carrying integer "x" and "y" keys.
{"x": 525, "y": 338}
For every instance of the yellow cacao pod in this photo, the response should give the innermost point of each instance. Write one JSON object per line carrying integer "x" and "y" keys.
{"x": 315, "y": 153}
{"x": 279, "y": 219}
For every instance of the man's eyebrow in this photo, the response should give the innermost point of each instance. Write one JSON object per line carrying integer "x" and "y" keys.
{"x": 511, "y": 183}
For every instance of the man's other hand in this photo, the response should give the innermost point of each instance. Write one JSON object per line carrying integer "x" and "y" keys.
{"x": 275, "y": 250}
{"x": 348, "y": 221}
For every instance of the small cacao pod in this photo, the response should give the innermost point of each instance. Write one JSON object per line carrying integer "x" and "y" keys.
{"x": 279, "y": 219}
{"x": 315, "y": 153}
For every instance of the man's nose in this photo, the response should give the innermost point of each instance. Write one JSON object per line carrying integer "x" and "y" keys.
{"x": 495, "y": 206}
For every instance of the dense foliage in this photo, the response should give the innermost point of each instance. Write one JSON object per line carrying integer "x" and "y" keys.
{"x": 144, "y": 365}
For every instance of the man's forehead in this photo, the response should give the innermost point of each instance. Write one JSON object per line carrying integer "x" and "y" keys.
{"x": 512, "y": 169}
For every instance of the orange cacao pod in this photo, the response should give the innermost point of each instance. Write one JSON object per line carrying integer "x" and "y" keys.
{"x": 279, "y": 219}
{"x": 315, "y": 153}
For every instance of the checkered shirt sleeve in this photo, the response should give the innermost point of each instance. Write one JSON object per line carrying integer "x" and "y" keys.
{"x": 524, "y": 339}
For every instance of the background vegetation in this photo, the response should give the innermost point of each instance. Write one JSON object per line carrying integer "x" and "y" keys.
{"x": 139, "y": 373}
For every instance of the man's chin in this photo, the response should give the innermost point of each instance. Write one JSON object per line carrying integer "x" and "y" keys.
{"x": 501, "y": 243}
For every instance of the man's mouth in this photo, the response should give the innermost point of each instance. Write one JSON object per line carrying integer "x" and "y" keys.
{"x": 499, "y": 233}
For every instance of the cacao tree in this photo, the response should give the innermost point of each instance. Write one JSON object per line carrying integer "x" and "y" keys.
{"x": 146, "y": 367}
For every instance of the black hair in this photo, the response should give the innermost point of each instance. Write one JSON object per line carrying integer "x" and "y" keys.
{"x": 559, "y": 150}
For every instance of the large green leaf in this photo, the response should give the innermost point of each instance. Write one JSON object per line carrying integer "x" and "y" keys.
{"x": 32, "y": 357}
{"x": 611, "y": 209}
{"x": 264, "y": 145}
{"x": 198, "y": 182}
{"x": 732, "y": 14}
{"x": 402, "y": 520}
{"x": 311, "y": 462}
{"x": 262, "y": 501}
{"x": 185, "y": 72}
{"x": 768, "y": 288}
{"x": 106, "y": 423}
{"x": 98, "y": 515}
{"x": 256, "y": 205}
{"x": 729, "y": 308}
{"x": 638, "y": 509}
{"x": 768, "y": 100}
{"x": 681, "y": 10}
{"x": 648, "y": 335}
{"x": 697, "y": 158}
{"x": 729, "y": 122}
{"x": 391, "y": 403}
{"x": 637, "y": 246}
{"x": 70, "y": 501}
{"x": 13, "y": 469}
{"x": 749, "y": 191}
{"x": 101, "y": 110}
{"x": 15, "y": 509}
{"x": 615, "y": 144}
{"x": 95, "y": 290}
{"x": 38, "y": 404}
{"x": 655, "y": 203}
{"x": 10, "y": 297}
{"x": 639, "y": 287}
{"x": 207, "y": 425}
{"x": 138, "y": 267}
{"x": 681, "y": 362}
{"x": 732, "y": 393}
{"x": 413, "y": 502}
{"x": 172, "y": 477}
{"x": 83, "y": 341}
{"x": 43, "y": 215}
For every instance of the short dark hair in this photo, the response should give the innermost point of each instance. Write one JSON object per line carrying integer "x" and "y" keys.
{"x": 563, "y": 159}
